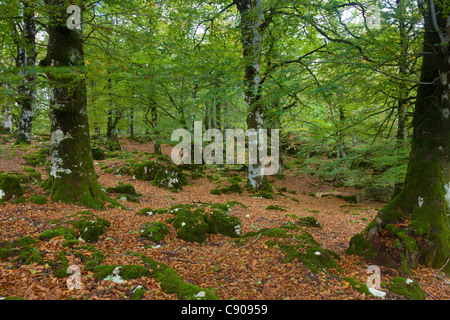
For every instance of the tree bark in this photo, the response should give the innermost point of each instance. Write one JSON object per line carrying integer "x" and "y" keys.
{"x": 72, "y": 176}
{"x": 26, "y": 59}
{"x": 252, "y": 14}
{"x": 414, "y": 227}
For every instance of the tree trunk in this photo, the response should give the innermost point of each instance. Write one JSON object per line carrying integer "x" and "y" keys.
{"x": 72, "y": 176}
{"x": 113, "y": 115}
{"x": 155, "y": 133}
{"x": 252, "y": 14}
{"x": 26, "y": 59}
{"x": 414, "y": 227}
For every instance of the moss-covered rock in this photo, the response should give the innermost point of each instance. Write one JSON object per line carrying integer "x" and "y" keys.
{"x": 123, "y": 189}
{"x": 195, "y": 223}
{"x": 89, "y": 225}
{"x": 10, "y": 187}
{"x": 220, "y": 222}
{"x": 409, "y": 289}
{"x": 316, "y": 259}
{"x": 162, "y": 174}
{"x": 190, "y": 225}
{"x": 308, "y": 222}
{"x": 155, "y": 231}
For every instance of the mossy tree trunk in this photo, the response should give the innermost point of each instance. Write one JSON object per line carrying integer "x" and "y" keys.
{"x": 25, "y": 61}
{"x": 251, "y": 27}
{"x": 414, "y": 227}
{"x": 72, "y": 176}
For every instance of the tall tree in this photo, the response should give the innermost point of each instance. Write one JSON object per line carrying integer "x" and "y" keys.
{"x": 417, "y": 219}
{"x": 251, "y": 26}
{"x": 25, "y": 61}
{"x": 72, "y": 175}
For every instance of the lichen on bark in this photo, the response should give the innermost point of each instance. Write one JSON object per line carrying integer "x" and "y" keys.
{"x": 72, "y": 176}
{"x": 413, "y": 228}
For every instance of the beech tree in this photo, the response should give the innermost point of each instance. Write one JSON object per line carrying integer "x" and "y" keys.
{"x": 72, "y": 175}
{"x": 413, "y": 228}
{"x": 25, "y": 60}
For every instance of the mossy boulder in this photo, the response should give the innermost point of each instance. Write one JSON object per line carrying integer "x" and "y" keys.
{"x": 124, "y": 189}
{"x": 155, "y": 231}
{"x": 409, "y": 289}
{"x": 190, "y": 225}
{"x": 308, "y": 222}
{"x": 127, "y": 192}
{"x": 316, "y": 259}
{"x": 89, "y": 225}
{"x": 10, "y": 188}
{"x": 220, "y": 222}
{"x": 162, "y": 174}
{"x": 195, "y": 223}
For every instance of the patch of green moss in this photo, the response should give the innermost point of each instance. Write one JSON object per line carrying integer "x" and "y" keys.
{"x": 60, "y": 265}
{"x": 155, "y": 231}
{"x": 94, "y": 259}
{"x": 265, "y": 195}
{"x": 171, "y": 282}
{"x": 275, "y": 207}
{"x": 315, "y": 258}
{"x": 17, "y": 247}
{"x": 38, "y": 199}
{"x": 190, "y": 225}
{"x": 194, "y": 225}
{"x": 120, "y": 272}
{"x": 308, "y": 222}
{"x": 215, "y": 192}
{"x": 150, "y": 211}
{"x": 358, "y": 286}
{"x": 67, "y": 233}
{"x": 123, "y": 189}
{"x": 10, "y": 187}
{"x": 89, "y": 225}
{"x": 138, "y": 293}
{"x": 409, "y": 289}
{"x": 220, "y": 222}
{"x": 37, "y": 158}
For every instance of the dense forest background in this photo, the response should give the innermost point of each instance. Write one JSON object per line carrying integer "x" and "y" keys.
{"x": 90, "y": 97}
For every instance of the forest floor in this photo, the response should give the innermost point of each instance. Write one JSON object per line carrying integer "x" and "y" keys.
{"x": 245, "y": 271}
